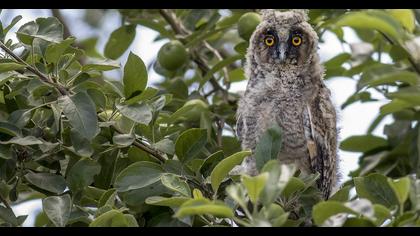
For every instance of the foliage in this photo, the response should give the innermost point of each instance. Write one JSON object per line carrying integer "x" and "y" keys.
{"x": 133, "y": 151}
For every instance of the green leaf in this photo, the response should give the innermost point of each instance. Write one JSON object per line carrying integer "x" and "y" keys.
{"x": 408, "y": 94}
{"x": 47, "y": 181}
{"x": 372, "y": 19}
{"x": 394, "y": 106}
{"x": 337, "y": 61}
{"x": 20, "y": 117}
{"x": 114, "y": 218}
{"x": 140, "y": 112}
{"x": 82, "y": 174}
{"x": 123, "y": 140}
{"x": 81, "y": 113}
{"x": 241, "y": 48}
{"x": 268, "y": 146}
{"x": 119, "y": 41}
{"x": 255, "y": 185}
{"x": 169, "y": 202}
{"x": 173, "y": 182}
{"x": 377, "y": 189}
{"x": 342, "y": 195}
{"x": 278, "y": 180}
{"x": 146, "y": 94}
{"x": 294, "y": 185}
{"x": 9, "y": 129}
{"x": 57, "y": 208}
{"x": 210, "y": 162}
{"x": 6, "y": 152}
{"x": 137, "y": 197}
{"x": 222, "y": 169}
{"x": 56, "y": 50}
{"x": 25, "y": 141}
{"x": 219, "y": 66}
{"x": 204, "y": 206}
{"x": 10, "y": 66}
{"x": 324, "y": 210}
{"x": 415, "y": 193}
{"x": 130, "y": 220}
{"x": 7, "y": 215}
{"x": 362, "y": 143}
{"x": 406, "y": 17}
{"x": 149, "y": 23}
{"x": 410, "y": 78}
{"x": 401, "y": 188}
{"x": 101, "y": 66}
{"x": 190, "y": 143}
{"x": 237, "y": 75}
{"x": 274, "y": 214}
{"x": 381, "y": 213}
{"x": 138, "y": 175}
{"x": 48, "y": 29}
{"x": 135, "y": 76}
{"x": 80, "y": 145}
{"x": 358, "y": 96}
{"x": 12, "y": 23}
{"x": 165, "y": 145}
{"x": 238, "y": 193}
{"x": 108, "y": 198}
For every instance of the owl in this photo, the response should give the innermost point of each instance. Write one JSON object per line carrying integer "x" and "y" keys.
{"x": 286, "y": 88}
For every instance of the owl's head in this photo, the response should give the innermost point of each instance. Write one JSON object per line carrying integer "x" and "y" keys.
{"x": 283, "y": 38}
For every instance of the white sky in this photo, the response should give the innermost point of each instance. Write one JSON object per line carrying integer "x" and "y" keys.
{"x": 353, "y": 120}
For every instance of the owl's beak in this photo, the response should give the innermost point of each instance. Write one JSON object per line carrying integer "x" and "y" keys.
{"x": 281, "y": 51}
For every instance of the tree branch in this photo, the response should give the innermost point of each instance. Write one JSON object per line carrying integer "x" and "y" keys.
{"x": 410, "y": 59}
{"x": 178, "y": 29}
{"x": 6, "y": 204}
{"x": 143, "y": 146}
{"x": 57, "y": 14}
{"x": 171, "y": 19}
{"x": 34, "y": 70}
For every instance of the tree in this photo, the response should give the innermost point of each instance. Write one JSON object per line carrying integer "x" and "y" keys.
{"x": 102, "y": 152}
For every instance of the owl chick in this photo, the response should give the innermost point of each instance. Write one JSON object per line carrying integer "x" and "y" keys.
{"x": 286, "y": 86}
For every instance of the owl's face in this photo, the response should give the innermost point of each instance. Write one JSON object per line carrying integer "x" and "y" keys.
{"x": 283, "y": 38}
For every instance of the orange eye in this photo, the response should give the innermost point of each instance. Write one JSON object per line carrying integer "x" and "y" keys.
{"x": 269, "y": 40}
{"x": 296, "y": 41}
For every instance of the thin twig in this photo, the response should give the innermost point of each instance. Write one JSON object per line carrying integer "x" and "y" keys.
{"x": 410, "y": 59}
{"x": 178, "y": 29}
{"x": 171, "y": 19}
{"x": 4, "y": 201}
{"x": 139, "y": 144}
{"x": 57, "y": 14}
{"x": 34, "y": 70}
{"x": 226, "y": 80}
{"x": 63, "y": 91}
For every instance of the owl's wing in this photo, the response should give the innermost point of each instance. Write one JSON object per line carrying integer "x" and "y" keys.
{"x": 321, "y": 133}
{"x": 239, "y": 127}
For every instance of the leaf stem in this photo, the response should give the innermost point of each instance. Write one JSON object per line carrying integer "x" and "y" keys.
{"x": 410, "y": 59}
{"x": 145, "y": 147}
{"x": 201, "y": 63}
{"x": 34, "y": 70}
{"x": 63, "y": 91}
{"x": 4, "y": 201}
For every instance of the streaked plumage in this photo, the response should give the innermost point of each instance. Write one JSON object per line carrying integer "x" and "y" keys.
{"x": 286, "y": 86}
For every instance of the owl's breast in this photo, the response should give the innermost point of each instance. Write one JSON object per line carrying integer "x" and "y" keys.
{"x": 259, "y": 113}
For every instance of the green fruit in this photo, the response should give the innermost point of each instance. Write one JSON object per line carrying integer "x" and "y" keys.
{"x": 48, "y": 133}
{"x": 197, "y": 107}
{"x": 199, "y": 104}
{"x": 247, "y": 24}
{"x": 105, "y": 115}
{"x": 406, "y": 18}
{"x": 172, "y": 55}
